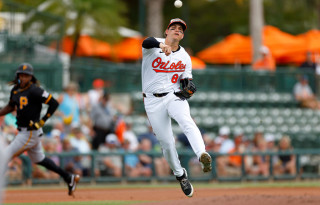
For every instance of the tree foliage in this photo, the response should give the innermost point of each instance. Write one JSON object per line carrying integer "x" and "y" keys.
{"x": 293, "y": 16}
{"x": 208, "y": 20}
{"x": 100, "y": 19}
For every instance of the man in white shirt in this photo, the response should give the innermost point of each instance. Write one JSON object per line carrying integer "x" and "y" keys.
{"x": 304, "y": 94}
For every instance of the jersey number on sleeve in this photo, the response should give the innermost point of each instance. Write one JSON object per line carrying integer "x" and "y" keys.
{"x": 174, "y": 78}
{"x": 23, "y": 102}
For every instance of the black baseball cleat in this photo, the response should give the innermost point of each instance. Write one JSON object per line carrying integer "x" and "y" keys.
{"x": 185, "y": 184}
{"x": 75, "y": 178}
{"x": 205, "y": 160}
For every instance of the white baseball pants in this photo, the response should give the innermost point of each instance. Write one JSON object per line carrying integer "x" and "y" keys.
{"x": 160, "y": 110}
{"x": 2, "y": 168}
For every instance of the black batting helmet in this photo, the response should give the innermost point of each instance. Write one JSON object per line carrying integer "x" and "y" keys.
{"x": 25, "y": 68}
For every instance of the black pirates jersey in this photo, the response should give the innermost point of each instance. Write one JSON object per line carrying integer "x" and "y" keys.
{"x": 28, "y": 103}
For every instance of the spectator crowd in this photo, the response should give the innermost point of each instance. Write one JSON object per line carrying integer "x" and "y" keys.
{"x": 86, "y": 123}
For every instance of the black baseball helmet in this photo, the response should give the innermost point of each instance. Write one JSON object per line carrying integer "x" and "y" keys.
{"x": 25, "y": 68}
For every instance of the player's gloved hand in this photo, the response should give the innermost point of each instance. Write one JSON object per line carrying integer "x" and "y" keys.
{"x": 188, "y": 89}
{"x": 36, "y": 125}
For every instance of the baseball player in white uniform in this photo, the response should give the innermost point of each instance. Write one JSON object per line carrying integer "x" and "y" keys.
{"x": 165, "y": 66}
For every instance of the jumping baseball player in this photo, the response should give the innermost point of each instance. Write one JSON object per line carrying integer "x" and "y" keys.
{"x": 26, "y": 98}
{"x": 165, "y": 67}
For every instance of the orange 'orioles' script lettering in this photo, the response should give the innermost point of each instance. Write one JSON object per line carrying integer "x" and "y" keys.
{"x": 162, "y": 67}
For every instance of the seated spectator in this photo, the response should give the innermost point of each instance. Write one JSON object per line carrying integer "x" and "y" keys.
{"x": 257, "y": 136}
{"x": 235, "y": 161}
{"x": 40, "y": 172}
{"x": 110, "y": 165}
{"x": 80, "y": 141}
{"x": 266, "y": 62}
{"x": 230, "y": 165}
{"x": 286, "y": 161}
{"x": 145, "y": 159}
{"x": 102, "y": 117}
{"x": 139, "y": 165}
{"x": 304, "y": 94}
{"x": 193, "y": 163}
{"x": 271, "y": 147}
{"x": 71, "y": 164}
{"x": 130, "y": 136}
{"x": 260, "y": 163}
{"x": 55, "y": 135}
{"x": 217, "y": 141}
{"x": 270, "y": 140}
{"x": 150, "y": 135}
{"x": 308, "y": 65}
{"x": 49, "y": 146}
{"x": 59, "y": 126}
{"x": 226, "y": 146}
{"x": 131, "y": 159}
{"x": 162, "y": 167}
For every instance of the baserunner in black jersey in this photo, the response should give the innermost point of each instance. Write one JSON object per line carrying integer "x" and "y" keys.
{"x": 26, "y": 98}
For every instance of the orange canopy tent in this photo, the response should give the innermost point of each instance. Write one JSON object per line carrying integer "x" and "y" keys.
{"x": 127, "y": 50}
{"x": 312, "y": 38}
{"x": 87, "y": 46}
{"x": 311, "y": 44}
{"x": 197, "y": 63}
{"x": 236, "y": 48}
{"x": 283, "y": 46}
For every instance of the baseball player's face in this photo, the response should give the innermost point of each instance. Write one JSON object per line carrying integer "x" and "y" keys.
{"x": 24, "y": 79}
{"x": 175, "y": 31}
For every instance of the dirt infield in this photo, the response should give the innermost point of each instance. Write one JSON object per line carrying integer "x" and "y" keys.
{"x": 172, "y": 196}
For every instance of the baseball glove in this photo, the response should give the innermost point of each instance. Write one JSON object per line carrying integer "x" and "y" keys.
{"x": 188, "y": 88}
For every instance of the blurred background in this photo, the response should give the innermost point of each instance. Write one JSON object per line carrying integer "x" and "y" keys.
{"x": 256, "y": 65}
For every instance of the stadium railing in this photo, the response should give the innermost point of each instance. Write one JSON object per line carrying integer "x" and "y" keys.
{"x": 307, "y": 167}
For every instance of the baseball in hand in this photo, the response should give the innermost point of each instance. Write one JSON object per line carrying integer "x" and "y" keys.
{"x": 178, "y": 3}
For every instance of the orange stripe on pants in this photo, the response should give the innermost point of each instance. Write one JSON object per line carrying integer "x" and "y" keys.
{"x": 22, "y": 148}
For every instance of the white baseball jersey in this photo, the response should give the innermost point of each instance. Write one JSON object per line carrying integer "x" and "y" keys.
{"x": 161, "y": 73}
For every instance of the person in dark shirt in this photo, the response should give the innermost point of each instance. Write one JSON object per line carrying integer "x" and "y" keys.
{"x": 26, "y": 98}
{"x": 308, "y": 65}
{"x": 286, "y": 163}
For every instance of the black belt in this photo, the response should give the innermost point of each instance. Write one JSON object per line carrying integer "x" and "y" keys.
{"x": 159, "y": 95}
{"x": 25, "y": 128}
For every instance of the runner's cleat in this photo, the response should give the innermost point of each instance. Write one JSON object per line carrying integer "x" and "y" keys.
{"x": 206, "y": 161}
{"x": 185, "y": 184}
{"x": 75, "y": 178}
